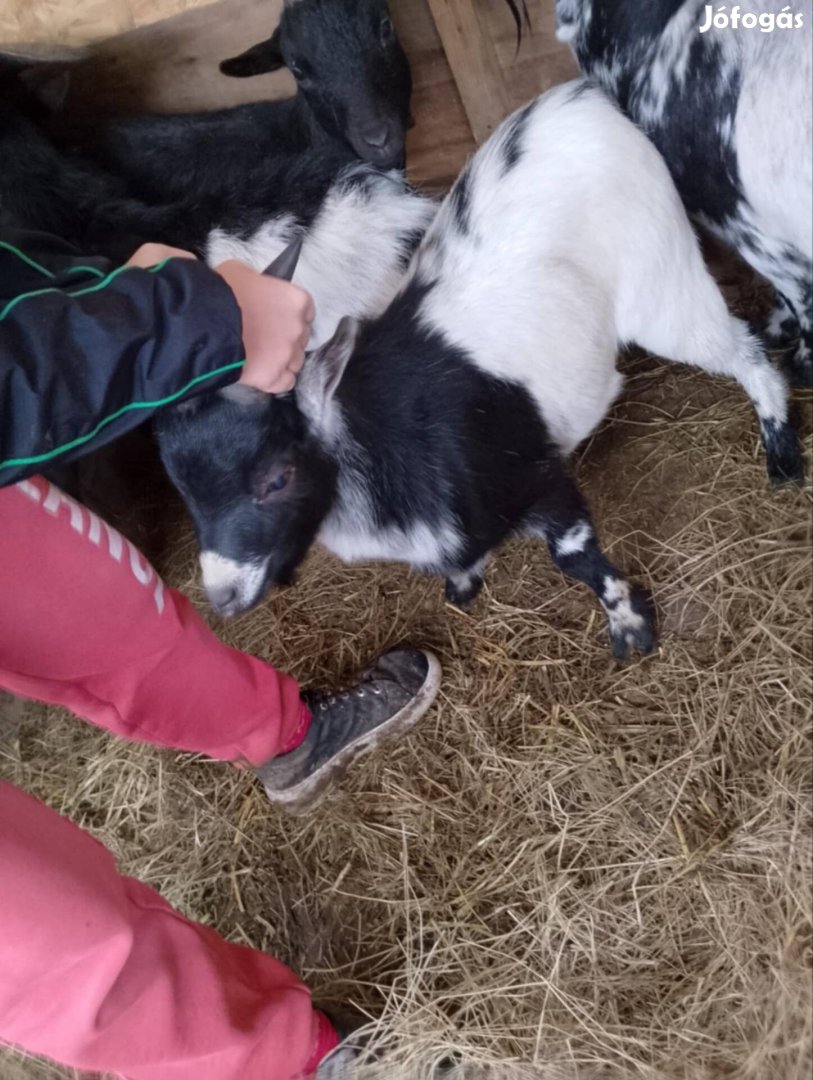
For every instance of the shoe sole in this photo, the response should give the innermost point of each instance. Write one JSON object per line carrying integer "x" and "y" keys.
{"x": 305, "y": 795}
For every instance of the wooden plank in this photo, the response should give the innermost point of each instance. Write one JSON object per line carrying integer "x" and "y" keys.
{"x": 474, "y": 63}
{"x": 540, "y": 62}
{"x": 441, "y": 140}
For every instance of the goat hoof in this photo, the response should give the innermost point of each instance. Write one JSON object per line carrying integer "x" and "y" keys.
{"x": 784, "y": 457}
{"x": 632, "y": 624}
{"x": 463, "y": 593}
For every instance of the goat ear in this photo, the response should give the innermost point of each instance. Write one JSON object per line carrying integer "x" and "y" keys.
{"x": 323, "y": 370}
{"x": 334, "y": 355}
{"x": 284, "y": 266}
{"x": 260, "y": 58}
{"x": 49, "y": 85}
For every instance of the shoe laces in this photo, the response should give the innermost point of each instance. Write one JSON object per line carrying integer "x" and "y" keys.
{"x": 357, "y": 690}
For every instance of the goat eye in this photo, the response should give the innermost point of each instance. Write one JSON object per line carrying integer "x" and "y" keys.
{"x": 387, "y": 30}
{"x": 295, "y": 69}
{"x": 271, "y": 486}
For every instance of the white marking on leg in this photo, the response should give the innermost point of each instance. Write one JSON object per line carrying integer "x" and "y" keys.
{"x": 779, "y": 316}
{"x": 464, "y": 579}
{"x": 574, "y": 540}
{"x": 620, "y": 612}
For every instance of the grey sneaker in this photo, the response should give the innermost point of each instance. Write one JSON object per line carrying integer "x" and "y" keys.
{"x": 387, "y": 700}
{"x": 354, "y": 1052}
{"x": 341, "y": 1063}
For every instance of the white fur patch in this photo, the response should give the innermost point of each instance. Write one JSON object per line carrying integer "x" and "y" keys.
{"x": 351, "y": 533}
{"x": 352, "y": 256}
{"x": 574, "y": 540}
{"x": 580, "y": 245}
{"x": 257, "y": 250}
{"x": 773, "y": 139}
{"x": 420, "y": 545}
{"x": 572, "y": 18}
{"x": 671, "y": 62}
{"x": 463, "y": 580}
{"x": 223, "y": 576}
{"x": 624, "y": 620}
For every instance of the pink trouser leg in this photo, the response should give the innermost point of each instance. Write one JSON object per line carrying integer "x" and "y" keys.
{"x": 87, "y": 623}
{"x": 98, "y": 972}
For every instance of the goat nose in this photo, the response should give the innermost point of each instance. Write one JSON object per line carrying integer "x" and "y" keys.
{"x": 376, "y": 135}
{"x": 222, "y": 597}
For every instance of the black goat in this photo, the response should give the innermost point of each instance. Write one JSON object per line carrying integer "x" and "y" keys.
{"x": 44, "y": 188}
{"x": 352, "y": 103}
{"x": 728, "y": 101}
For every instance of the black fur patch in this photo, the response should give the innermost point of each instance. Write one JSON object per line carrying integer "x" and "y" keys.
{"x": 216, "y": 454}
{"x": 409, "y": 243}
{"x": 512, "y": 146}
{"x": 461, "y": 202}
{"x": 699, "y": 106}
{"x": 619, "y": 49}
{"x": 204, "y": 155}
{"x": 442, "y": 442}
{"x": 785, "y": 462}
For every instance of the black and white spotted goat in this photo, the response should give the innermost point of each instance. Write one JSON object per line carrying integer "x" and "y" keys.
{"x": 436, "y": 431}
{"x": 731, "y": 110}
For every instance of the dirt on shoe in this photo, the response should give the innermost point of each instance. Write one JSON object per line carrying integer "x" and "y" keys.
{"x": 389, "y": 698}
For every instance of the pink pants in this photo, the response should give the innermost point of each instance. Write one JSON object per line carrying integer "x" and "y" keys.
{"x": 97, "y": 971}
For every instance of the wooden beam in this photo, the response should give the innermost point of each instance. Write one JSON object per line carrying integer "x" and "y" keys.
{"x": 474, "y": 63}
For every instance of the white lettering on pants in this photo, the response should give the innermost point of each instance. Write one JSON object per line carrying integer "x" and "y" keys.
{"x": 52, "y": 500}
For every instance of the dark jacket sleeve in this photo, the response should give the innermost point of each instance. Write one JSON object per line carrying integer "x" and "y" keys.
{"x": 80, "y": 368}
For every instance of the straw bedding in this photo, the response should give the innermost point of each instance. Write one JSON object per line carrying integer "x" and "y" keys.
{"x": 571, "y": 870}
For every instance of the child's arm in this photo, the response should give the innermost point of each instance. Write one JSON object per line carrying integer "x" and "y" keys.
{"x": 79, "y": 369}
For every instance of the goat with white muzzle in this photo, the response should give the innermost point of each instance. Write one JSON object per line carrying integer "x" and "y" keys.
{"x": 435, "y": 432}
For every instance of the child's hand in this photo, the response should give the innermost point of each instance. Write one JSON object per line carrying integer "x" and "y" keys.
{"x": 152, "y": 254}
{"x": 276, "y": 326}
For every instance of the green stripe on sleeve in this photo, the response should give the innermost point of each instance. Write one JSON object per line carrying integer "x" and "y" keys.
{"x": 80, "y": 292}
{"x": 38, "y": 459}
